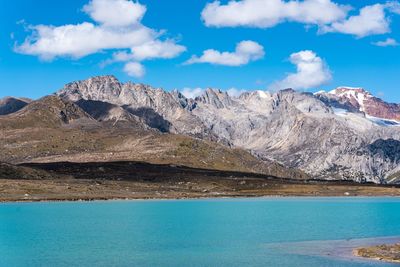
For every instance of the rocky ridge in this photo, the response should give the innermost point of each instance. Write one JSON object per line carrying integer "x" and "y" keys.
{"x": 297, "y": 129}
{"x": 337, "y": 135}
{"x": 55, "y": 129}
{"x": 11, "y": 104}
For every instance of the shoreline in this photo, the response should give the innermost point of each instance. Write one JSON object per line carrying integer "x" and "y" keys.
{"x": 131, "y": 181}
{"x": 341, "y": 249}
{"x": 216, "y": 198}
{"x": 384, "y": 253}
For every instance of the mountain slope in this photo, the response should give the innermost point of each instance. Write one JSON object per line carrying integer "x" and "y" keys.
{"x": 11, "y": 104}
{"x": 49, "y": 111}
{"x": 298, "y": 130}
{"x": 55, "y": 129}
{"x": 162, "y": 110}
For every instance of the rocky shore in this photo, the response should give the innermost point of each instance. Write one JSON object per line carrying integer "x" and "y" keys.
{"x": 385, "y": 252}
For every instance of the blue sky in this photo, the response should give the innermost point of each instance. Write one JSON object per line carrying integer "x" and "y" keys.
{"x": 338, "y": 57}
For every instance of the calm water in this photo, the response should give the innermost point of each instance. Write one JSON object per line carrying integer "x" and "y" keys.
{"x": 241, "y": 232}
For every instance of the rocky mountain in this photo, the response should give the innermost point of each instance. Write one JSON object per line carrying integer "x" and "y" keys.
{"x": 360, "y": 100}
{"x": 327, "y": 135}
{"x": 49, "y": 111}
{"x": 160, "y": 109}
{"x": 11, "y": 104}
{"x": 55, "y": 129}
{"x": 345, "y": 134}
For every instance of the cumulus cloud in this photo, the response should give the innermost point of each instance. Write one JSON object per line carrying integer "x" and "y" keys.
{"x": 269, "y": 13}
{"x": 134, "y": 69}
{"x": 192, "y": 92}
{"x": 387, "y": 42}
{"x": 371, "y": 20}
{"x": 326, "y": 14}
{"x": 77, "y": 41}
{"x": 311, "y": 72}
{"x": 245, "y": 52}
{"x": 117, "y": 26}
{"x": 151, "y": 50}
{"x": 116, "y": 12}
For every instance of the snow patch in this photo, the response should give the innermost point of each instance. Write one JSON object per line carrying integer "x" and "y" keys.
{"x": 262, "y": 94}
{"x": 340, "y": 111}
{"x": 379, "y": 121}
{"x": 356, "y": 93}
{"x": 383, "y": 122}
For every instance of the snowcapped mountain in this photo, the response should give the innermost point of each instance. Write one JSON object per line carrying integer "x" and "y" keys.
{"x": 360, "y": 100}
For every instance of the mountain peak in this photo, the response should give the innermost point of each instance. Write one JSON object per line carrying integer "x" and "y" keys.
{"x": 12, "y": 104}
{"x": 357, "y": 99}
{"x": 49, "y": 111}
{"x": 350, "y": 91}
{"x": 287, "y": 90}
{"x": 104, "y": 78}
{"x": 93, "y": 88}
{"x": 215, "y": 97}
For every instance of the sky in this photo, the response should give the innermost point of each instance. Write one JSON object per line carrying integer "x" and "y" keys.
{"x": 190, "y": 45}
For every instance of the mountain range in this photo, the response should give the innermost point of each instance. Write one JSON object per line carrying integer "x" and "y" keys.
{"x": 343, "y": 134}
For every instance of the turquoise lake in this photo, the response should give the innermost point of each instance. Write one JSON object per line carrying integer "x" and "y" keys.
{"x": 229, "y": 232}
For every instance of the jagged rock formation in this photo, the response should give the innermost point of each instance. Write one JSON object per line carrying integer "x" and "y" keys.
{"x": 153, "y": 105}
{"x": 299, "y": 130}
{"x": 56, "y": 129}
{"x": 344, "y": 134}
{"x": 327, "y": 135}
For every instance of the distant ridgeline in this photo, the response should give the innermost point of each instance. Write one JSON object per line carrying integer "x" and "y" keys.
{"x": 344, "y": 134}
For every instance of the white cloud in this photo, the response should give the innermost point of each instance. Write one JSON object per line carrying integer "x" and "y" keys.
{"x": 192, "y": 92}
{"x": 326, "y": 14}
{"x": 151, "y": 50}
{"x": 234, "y": 92}
{"x": 394, "y": 7}
{"x": 268, "y": 13}
{"x": 371, "y": 20}
{"x": 245, "y": 52}
{"x": 118, "y": 28}
{"x": 115, "y": 12}
{"x": 311, "y": 72}
{"x": 77, "y": 41}
{"x": 387, "y": 42}
{"x": 134, "y": 69}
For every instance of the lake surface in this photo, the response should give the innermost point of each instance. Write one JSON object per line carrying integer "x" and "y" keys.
{"x": 235, "y": 232}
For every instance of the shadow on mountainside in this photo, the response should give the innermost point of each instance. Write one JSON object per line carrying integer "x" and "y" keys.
{"x": 96, "y": 109}
{"x": 151, "y": 118}
{"x": 389, "y": 148}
